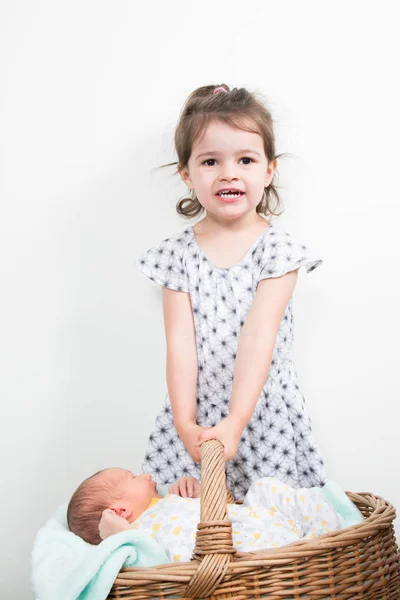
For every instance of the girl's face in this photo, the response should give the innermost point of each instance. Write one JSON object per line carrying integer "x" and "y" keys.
{"x": 228, "y": 159}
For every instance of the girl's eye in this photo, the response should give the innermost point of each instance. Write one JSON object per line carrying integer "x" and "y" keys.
{"x": 211, "y": 161}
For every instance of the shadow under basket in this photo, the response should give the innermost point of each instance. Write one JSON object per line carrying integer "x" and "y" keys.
{"x": 357, "y": 563}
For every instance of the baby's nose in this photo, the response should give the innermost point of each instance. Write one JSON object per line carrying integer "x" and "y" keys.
{"x": 147, "y": 476}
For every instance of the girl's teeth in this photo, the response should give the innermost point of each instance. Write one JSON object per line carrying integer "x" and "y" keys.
{"x": 225, "y": 195}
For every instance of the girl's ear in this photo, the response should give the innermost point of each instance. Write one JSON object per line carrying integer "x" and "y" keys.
{"x": 186, "y": 178}
{"x": 270, "y": 172}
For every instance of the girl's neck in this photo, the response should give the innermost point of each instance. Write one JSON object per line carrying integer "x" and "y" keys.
{"x": 224, "y": 248}
{"x": 209, "y": 225}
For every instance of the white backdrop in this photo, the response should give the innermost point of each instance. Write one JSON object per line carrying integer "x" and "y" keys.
{"x": 91, "y": 91}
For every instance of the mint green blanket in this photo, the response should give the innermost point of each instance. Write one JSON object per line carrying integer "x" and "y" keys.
{"x": 348, "y": 512}
{"x": 65, "y": 567}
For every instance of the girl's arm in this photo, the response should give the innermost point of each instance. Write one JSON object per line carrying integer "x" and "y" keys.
{"x": 182, "y": 367}
{"x": 256, "y": 344}
{"x": 253, "y": 358}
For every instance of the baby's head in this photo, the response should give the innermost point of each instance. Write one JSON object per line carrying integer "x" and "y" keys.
{"x": 216, "y": 113}
{"x": 128, "y": 495}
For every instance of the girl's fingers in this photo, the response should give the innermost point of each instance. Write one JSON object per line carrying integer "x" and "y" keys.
{"x": 205, "y": 435}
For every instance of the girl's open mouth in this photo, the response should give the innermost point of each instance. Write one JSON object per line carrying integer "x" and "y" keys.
{"x": 230, "y": 195}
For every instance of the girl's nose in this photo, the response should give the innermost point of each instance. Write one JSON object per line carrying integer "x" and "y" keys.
{"x": 227, "y": 173}
{"x": 147, "y": 476}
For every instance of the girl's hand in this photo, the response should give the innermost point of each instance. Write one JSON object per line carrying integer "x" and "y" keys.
{"x": 111, "y": 523}
{"x": 228, "y": 431}
{"x": 189, "y": 433}
{"x": 186, "y": 487}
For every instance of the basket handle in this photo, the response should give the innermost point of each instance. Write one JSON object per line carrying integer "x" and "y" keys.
{"x": 214, "y": 545}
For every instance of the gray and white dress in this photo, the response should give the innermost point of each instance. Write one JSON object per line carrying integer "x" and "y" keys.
{"x": 278, "y": 439}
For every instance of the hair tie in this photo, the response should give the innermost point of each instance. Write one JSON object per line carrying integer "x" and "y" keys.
{"x": 219, "y": 89}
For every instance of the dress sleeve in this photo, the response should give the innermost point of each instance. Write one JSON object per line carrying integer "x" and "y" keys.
{"x": 283, "y": 254}
{"x": 164, "y": 264}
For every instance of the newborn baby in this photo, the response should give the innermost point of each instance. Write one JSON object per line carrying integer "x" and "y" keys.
{"x": 272, "y": 513}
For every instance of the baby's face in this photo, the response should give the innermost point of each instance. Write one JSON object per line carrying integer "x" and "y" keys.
{"x": 135, "y": 491}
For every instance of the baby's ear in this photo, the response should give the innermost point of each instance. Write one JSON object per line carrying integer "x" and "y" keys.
{"x": 115, "y": 509}
{"x": 122, "y": 510}
{"x": 111, "y": 510}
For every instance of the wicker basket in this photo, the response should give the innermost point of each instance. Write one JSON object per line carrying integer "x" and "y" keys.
{"x": 360, "y": 562}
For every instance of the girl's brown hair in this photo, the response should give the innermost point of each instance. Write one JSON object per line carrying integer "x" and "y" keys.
{"x": 238, "y": 108}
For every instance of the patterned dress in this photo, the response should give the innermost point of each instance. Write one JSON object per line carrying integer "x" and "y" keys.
{"x": 278, "y": 439}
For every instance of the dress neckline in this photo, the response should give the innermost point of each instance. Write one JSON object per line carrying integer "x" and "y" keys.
{"x": 241, "y": 261}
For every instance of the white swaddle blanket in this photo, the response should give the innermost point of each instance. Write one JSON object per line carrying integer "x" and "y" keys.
{"x": 272, "y": 514}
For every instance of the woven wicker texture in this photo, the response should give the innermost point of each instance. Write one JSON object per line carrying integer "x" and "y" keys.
{"x": 357, "y": 563}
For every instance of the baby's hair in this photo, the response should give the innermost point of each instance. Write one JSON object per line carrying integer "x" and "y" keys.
{"x": 87, "y": 504}
{"x": 238, "y": 108}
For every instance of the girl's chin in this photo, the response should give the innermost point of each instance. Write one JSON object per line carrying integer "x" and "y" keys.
{"x": 230, "y": 201}
{"x": 230, "y": 210}
{"x": 233, "y": 209}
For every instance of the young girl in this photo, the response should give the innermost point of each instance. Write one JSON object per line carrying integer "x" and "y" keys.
{"x": 227, "y": 299}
